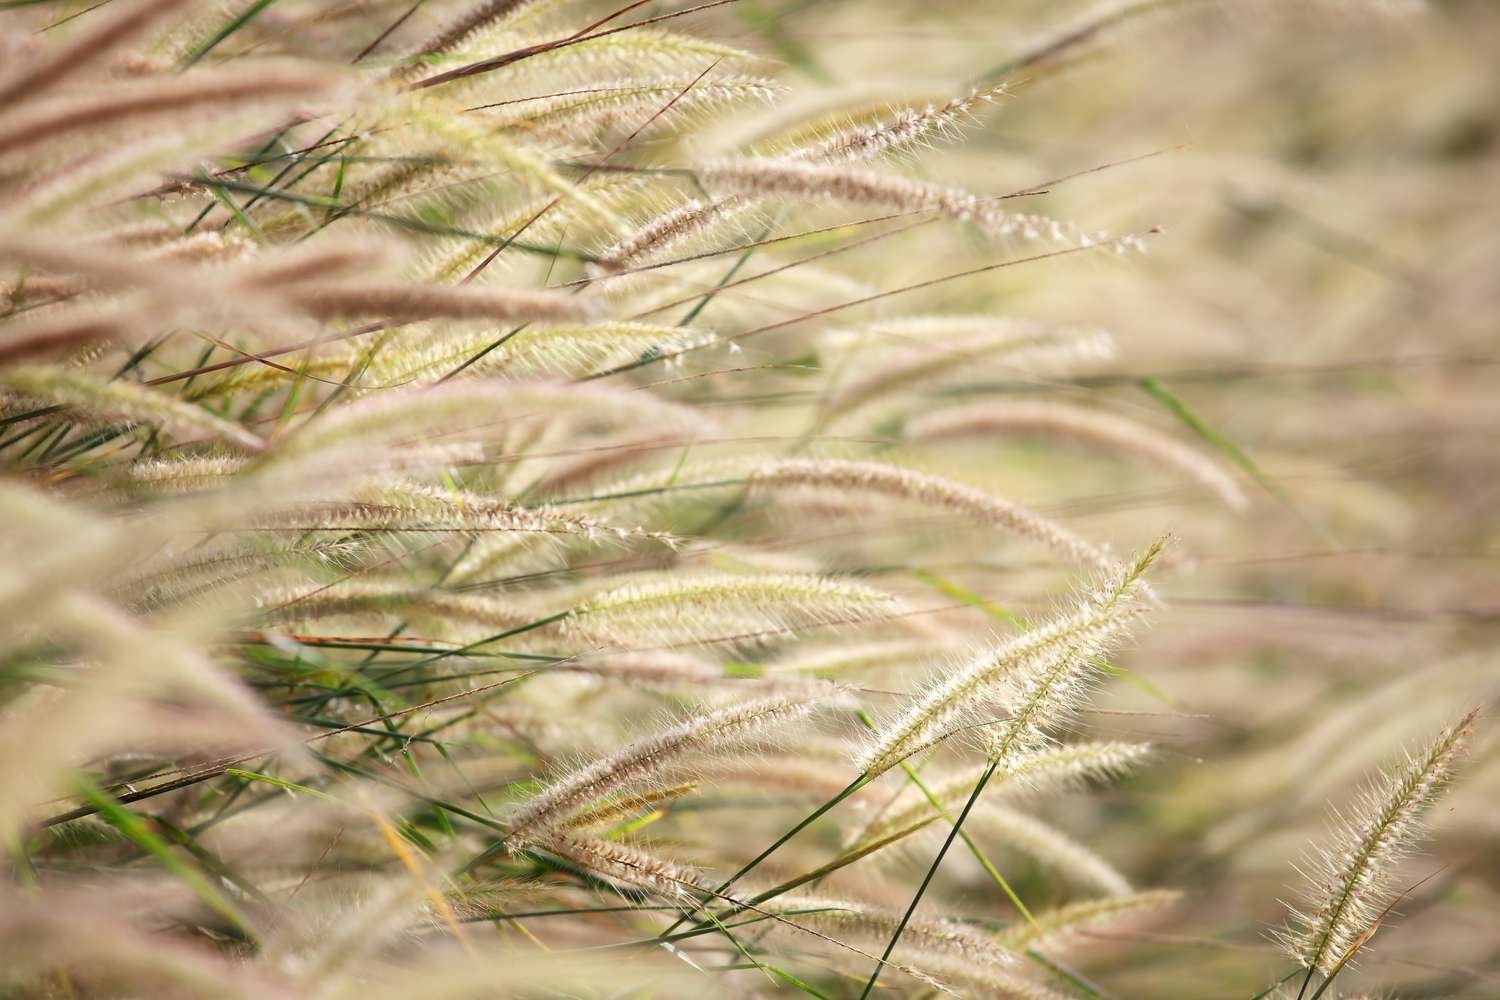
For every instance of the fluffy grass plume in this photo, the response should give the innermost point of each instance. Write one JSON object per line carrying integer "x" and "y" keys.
{"x": 1352, "y": 877}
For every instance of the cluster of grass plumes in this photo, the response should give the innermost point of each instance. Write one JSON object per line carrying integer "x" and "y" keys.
{"x": 490, "y": 485}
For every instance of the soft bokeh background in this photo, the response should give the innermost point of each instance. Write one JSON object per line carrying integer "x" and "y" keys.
{"x": 1325, "y": 294}
{"x": 1316, "y": 181}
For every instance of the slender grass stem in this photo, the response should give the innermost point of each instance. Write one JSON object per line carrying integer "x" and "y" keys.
{"x": 927, "y": 879}
{"x": 805, "y": 822}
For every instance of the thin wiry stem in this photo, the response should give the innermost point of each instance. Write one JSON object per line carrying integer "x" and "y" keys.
{"x": 927, "y": 879}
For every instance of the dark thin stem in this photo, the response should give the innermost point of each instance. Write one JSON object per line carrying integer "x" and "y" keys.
{"x": 586, "y": 175}
{"x": 931, "y": 871}
{"x": 851, "y": 303}
{"x": 807, "y": 820}
{"x": 743, "y": 906}
{"x": 387, "y": 32}
{"x": 1306, "y": 981}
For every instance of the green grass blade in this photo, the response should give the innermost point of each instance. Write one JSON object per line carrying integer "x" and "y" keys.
{"x": 135, "y": 830}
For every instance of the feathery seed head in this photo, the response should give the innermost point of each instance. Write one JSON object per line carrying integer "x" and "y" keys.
{"x": 1095, "y": 427}
{"x": 906, "y": 484}
{"x": 1351, "y": 878}
{"x": 683, "y": 608}
{"x": 647, "y": 761}
{"x": 1024, "y": 687}
{"x": 1054, "y": 929}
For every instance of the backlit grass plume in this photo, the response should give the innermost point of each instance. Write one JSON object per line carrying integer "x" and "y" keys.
{"x": 1049, "y": 770}
{"x": 647, "y": 759}
{"x": 1102, "y": 430}
{"x": 687, "y": 607}
{"x": 1020, "y": 690}
{"x": 935, "y": 491}
{"x": 1353, "y": 876}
